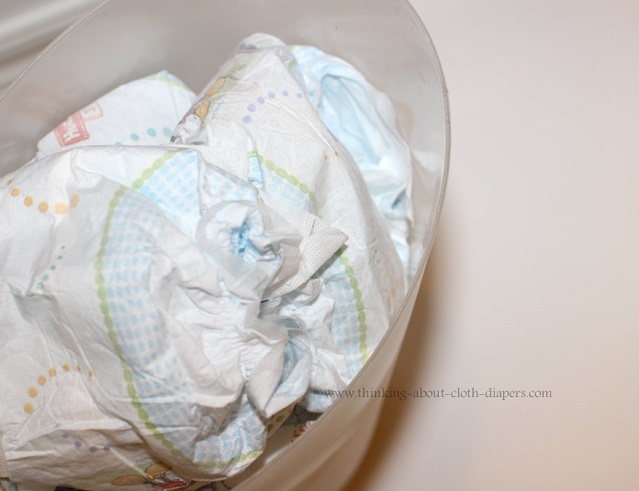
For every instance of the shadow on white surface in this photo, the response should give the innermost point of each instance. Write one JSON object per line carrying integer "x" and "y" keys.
{"x": 398, "y": 438}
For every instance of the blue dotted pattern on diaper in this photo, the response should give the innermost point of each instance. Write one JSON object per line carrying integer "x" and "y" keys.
{"x": 137, "y": 228}
{"x": 149, "y": 136}
{"x": 138, "y": 225}
{"x": 227, "y": 187}
{"x": 345, "y": 329}
{"x": 254, "y": 174}
{"x": 174, "y": 189}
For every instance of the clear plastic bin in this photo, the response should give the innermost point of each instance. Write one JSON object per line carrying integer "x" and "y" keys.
{"x": 121, "y": 40}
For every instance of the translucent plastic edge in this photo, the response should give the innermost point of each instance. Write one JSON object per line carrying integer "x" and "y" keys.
{"x": 48, "y": 47}
{"x": 417, "y": 278}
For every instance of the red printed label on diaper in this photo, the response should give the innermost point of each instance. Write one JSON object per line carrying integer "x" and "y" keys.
{"x": 91, "y": 112}
{"x": 72, "y": 131}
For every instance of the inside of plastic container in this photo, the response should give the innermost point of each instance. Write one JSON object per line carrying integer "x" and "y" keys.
{"x": 122, "y": 41}
{"x": 383, "y": 39}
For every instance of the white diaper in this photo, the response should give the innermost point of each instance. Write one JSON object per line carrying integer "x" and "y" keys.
{"x": 142, "y": 112}
{"x": 363, "y": 120}
{"x": 164, "y": 299}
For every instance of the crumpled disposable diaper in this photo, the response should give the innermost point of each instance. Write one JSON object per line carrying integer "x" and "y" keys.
{"x": 162, "y": 300}
{"x": 363, "y": 120}
{"x": 141, "y": 112}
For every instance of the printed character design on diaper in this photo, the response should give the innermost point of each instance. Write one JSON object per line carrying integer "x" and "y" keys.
{"x": 202, "y": 108}
{"x": 205, "y": 108}
{"x": 156, "y": 476}
{"x": 222, "y": 85}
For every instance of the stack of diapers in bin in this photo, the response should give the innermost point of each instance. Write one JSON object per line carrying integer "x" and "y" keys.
{"x": 178, "y": 271}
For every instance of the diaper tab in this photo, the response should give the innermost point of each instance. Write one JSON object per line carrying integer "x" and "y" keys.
{"x": 319, "y": 243}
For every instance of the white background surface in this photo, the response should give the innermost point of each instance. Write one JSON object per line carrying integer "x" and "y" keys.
{"x": 534, "y": 279}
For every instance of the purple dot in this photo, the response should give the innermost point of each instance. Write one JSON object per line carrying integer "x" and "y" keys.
{"x": 107, "y": 448}
{"x": 261, "y": 100}
{"x": 271, "y": 95}
{"x": 78, "y": 444}
{"x": 299, "y": 95}
{"x": 285, "y": 93}
{"x": 65, "y": 435}
{"x": 93, "y": 449}
{"x": 247, "y": 119}
{"x": 251, "y": 108}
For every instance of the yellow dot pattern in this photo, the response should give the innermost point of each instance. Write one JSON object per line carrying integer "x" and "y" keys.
{"x": 60, "y": 208}
{"x": 33, "y": 392}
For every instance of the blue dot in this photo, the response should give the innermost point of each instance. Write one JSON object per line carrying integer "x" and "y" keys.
{"x": 261, "y": 100}
{"x": 134, "y": 137}
{"x": 93, "y": 449}
{"x": 285, "y": 93}
{"x": 45, "y": 277}
{"x": 246, "y": 119}
{"x": 151, "y": 132}
{"x": 65, "y": 435}
{"x": 118, "y": 142}
{"x": 271, "y": 95}
{"x": 167, "y": 132}
{"x": 78, "y": 444}
{"x": 251, "y": 107}
{"x": 299, "y": 95}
